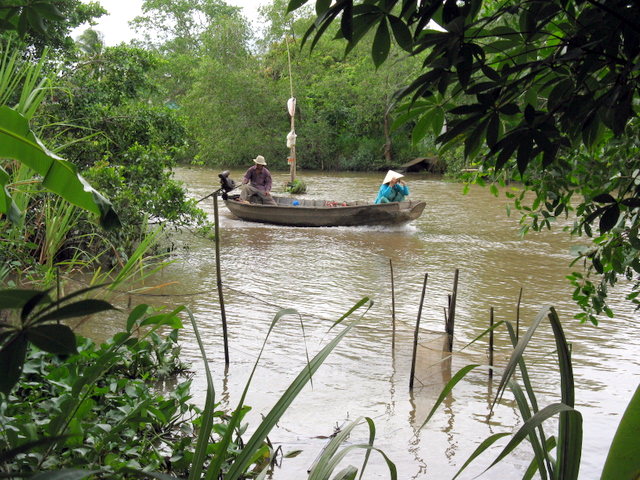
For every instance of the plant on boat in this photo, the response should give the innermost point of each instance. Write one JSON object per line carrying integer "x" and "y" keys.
{"x": 297, "y": 186}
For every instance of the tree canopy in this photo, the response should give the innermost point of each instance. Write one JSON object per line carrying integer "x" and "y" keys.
{"x": 544, "y": 90}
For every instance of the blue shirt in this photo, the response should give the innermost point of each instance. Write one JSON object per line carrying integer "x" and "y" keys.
{"x": 392, "y": 194}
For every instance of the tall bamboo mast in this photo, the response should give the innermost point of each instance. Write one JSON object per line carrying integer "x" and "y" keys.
{"x": 292, "y": 146}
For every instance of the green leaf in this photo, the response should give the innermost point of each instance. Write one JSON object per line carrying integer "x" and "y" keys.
{"x": 623, "y": 459}
{"x": 524, "y": 153}
{"x": 48, "y": 11}
{"x": 530, "y": 427}
{"x": 609, "y": 218}
{"x": 381, "y": 44}
{"x": 17, "y": 141}
{"x": 295, "y": 4}
{"x": 569, "y": 447}
{"x": 493, "y": 130}
{"x": 631, "y": 202}
{"x": 7, "y": 204}
{"x": 12, "y": 356}
{"x": 347, "y": 473}
{"x": 322, "y": 6}
{"x": 35, "y": 20}
{"x": 486, "y": 443}
{"x": 460, "y": 374}
{"x": 57, "y": 339}
{"x": 518, "y": 352}
{"x": 401, "y": 33}
{"x": 16, "y": 298}
{"x": 508, "y": 145}
{"x": 242, "y": 461}
{"x": 6, "y": 455}
{"x": 420, "y": 129}
{"x": 604, "y": 198}
{"x": 135, "y": 315}
{"x": 65, "y": 474}
{"x": 77, "y": 309}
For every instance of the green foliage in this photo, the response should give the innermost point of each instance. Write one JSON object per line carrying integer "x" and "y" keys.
{"x": 126, "y": 144}
{"x": 297, "y": 186}
{"x": 331, "y": 456}
{"x": 537, "y": 90}
{"x": 96, "y": 408}
{"x": 234, "y": 466}
{"x": 18, "y": 142}
{"x": 623, "y": 460}
{"x": 44, "y": 24}
{"x": 37, "y": 323}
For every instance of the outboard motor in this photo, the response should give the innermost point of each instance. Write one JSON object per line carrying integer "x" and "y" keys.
{"x": 226, "y": 184}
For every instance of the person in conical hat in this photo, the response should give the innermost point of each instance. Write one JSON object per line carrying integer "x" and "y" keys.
{"x": 256, "y": 184}
{"x": 392, "y": 189}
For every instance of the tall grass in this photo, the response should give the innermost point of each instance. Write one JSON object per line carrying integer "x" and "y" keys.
{"x": 232, "y": 465}
{"x": 567, "y": 440}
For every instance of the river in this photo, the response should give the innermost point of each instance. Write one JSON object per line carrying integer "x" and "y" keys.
{"x": 323, "y": 272}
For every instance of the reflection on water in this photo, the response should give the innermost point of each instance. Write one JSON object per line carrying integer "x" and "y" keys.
{"x": 323, "y": 272}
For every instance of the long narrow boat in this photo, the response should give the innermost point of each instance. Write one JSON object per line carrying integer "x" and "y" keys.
{"x": 320, "y": 213}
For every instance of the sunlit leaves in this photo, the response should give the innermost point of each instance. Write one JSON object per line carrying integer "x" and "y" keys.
{"x": 17, "y": 141}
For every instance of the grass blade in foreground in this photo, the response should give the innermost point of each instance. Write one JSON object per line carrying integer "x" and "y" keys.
{"x": 242, "y": 462}
{"x": 330, "y": 457}
{"x": 623, "y": 460}
{"x": 200, "y": 454}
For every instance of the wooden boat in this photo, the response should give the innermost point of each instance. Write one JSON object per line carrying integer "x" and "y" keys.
{"x": 320, "y": 213}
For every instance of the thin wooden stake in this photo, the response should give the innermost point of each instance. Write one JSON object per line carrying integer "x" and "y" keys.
{"x": 491, "y": 343}
{"x": 219, "y": 279}
{"x": 518, "y": 315}
{"x": 415, "y": 334}
{"x": 451, "y": 318}
{"x": 393, "y": 309}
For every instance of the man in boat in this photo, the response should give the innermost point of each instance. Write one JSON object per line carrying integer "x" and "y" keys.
{"x": 256, "y": 184}
{"x": 392, "y": 189}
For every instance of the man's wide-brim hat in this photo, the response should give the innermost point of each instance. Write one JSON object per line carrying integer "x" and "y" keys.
{"x": 391, "y": 175}
{"x": 259, "y": 160}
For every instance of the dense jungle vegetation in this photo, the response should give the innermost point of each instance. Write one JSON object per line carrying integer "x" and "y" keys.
{"x": 541, "y": 92}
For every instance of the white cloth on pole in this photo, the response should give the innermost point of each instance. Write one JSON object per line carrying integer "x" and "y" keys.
{"x": 291, "y": 139}
{"x": 291, "y": 106}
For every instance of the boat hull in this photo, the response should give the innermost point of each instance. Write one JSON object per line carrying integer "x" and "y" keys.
{"x": 317, "y": 213}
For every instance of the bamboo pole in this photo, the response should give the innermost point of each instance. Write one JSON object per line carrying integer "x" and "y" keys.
{"x": 292, "y": 149}
{"x": 518, "y": 315}
{"x": 219, "y": 279}
{"x": 491, "y": 343}
{"x": 415, "y": 334}
{"x": 451, "y": 318}
{"x": 393, "y": 309}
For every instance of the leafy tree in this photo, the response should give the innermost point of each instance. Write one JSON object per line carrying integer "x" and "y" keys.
{"x": 124, "y": 142}
{"x": 179, "y": 31}
{"x": 91, "y": 43}
{"x": 544, "y": 90}
{"x": 46, "y": 24}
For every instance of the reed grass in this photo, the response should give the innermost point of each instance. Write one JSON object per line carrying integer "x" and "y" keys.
{"x": 234, "y": 466}
{"x": 567, "y": 442}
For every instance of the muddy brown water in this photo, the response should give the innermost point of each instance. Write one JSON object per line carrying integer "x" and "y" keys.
{"x": 323, "y": 272}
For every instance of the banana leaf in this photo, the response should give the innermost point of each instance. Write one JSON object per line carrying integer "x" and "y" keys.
{"x": 59, "y": 176}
